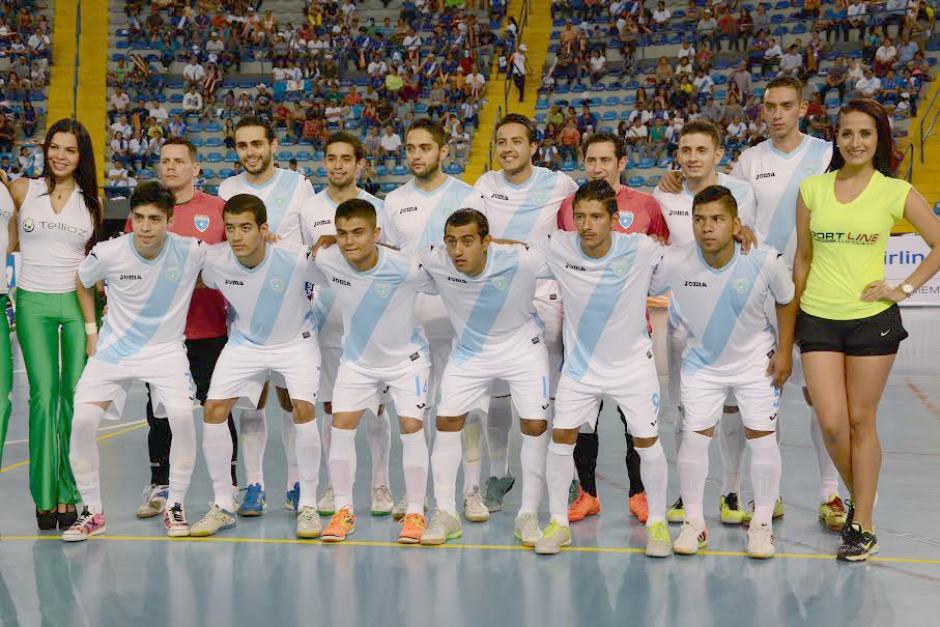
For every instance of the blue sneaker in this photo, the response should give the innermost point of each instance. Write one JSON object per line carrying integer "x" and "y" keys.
{"x": 254, "y": 503}
{"x": 293, "y": 498}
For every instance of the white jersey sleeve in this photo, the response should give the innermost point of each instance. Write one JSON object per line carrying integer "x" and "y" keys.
{"x": 526, "y": 212}
{"x": 677, "y": 208}
{"x": 779, "y": 278}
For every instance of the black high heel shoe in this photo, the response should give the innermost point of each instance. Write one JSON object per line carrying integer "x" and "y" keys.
{"x": 67, "y": 519}
{"x": 47, "y": 521}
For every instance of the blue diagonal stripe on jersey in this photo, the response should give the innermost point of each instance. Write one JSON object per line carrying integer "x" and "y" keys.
{"x": 597, "y": 311}
{"x": 153, "y": 313}
{"x": 488, "y": 305}
{"x": 783, "y": 224}
{"x": 323, "y": 301}
{"x": 450, "y": 201}
{"x": 284, "y": 190}
{"x": 725, "y": 316}
{"x": 277, "y": 279}
{"x": 527, "y": 214}
{"x": 371, "y": 308}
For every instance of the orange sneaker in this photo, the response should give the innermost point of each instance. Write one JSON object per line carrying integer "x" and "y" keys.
{"x": 639, "y": 507}
{"x": 585, "y": 505}
{"x": 412, "y": 527}
{"x": 341, "y": 525}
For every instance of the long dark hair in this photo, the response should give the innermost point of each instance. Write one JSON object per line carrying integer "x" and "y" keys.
{"x": 86, "y": 173}
{"x": 887, "y": 158}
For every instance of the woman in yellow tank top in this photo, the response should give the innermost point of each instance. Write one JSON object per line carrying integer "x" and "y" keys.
{"x": 849, "y": 326}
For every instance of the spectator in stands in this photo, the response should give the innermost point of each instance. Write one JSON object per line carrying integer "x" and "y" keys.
{"x": 836, "y": 79}
{"x": 7, "y": 134}
{"x": 178, "y": 126}
{"x": 869, "y": 85}
{"x": 28, "y": 119}
{"x": 119, "y": 179}
{"x": 792, "y": 62}
{"x": 707, "y": 30}
{"x": 138, "y": 150}
{"x": 741, "y": 77}
{"x": 192, "y": 101}
{"x": 194, "y": 72}
{"x": 548, "y": 155}
{"x": 728, "y": 31}
{"x": 391, "y": 144}
{"x": 658, "y": 138}
{"x": 663, "y": 74}
{"x": 119, "y": 146}
{"x": 637, "y": 139}
{"x": 597, "y": 66}
{"x": 519, "y": 68}
{"x": 373, "y": 144}
{"x": 856, "y": 19}
{"x": 885, "y": 57}
{"x": 703, "y": 85}
{"x": 570, "y": 141}
{"x": 661, "y": 17}
{"x": 772, "y": 57}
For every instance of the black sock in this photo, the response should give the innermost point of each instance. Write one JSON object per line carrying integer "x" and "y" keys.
{"x": 585, "y": 460}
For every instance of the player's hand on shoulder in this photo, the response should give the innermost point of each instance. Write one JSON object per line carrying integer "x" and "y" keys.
{"x": 325, "y": 241}
{"x": 780, "y": 367}
{"x": 671, "y": 182}
{"x": 745, "y": 236}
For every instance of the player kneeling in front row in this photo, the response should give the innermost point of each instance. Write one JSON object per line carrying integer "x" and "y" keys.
{"x": 489, "y": 291}
{"x": 722, "y": 295}
{"x": 271, "y": 335}
{"x": 604, "y": 279}
{"x": 151, "y": 275}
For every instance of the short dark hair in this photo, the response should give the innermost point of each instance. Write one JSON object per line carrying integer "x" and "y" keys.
{"x": 154, "y": 193}
{"x": 620, "y": 149}
{"x": 704, "y": 127}
{"x": 182, "y": 141}
{"x": 786, "y": 80}
{"x": 256, "y": 120}
{"x": 246, "y": 203}
{"x": 717, "y": 193}
{"x": 532, "y": 131}
{"x": 427, "y": 124}
{"x": 600, "y": 191}
{"x": 463, "y": 217}
{"x": 343, "y": 137}
{"x": 356, "y": 208}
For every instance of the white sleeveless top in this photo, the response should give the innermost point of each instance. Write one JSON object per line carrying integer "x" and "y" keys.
{"x": 51, "y": 245}
{"x": 6, "y": 212}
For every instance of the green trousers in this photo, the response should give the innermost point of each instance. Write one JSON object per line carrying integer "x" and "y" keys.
{"x": 51, "y": 331}
{"x": 6, "y": 373}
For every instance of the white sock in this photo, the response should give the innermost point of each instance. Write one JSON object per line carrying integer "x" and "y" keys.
{"x": 182, "y": 452}
{"x": 414, "y": 461}
{"x": 828, "y": 475}
{"x": 765, "y": 476}
{"x": 559, "y": 470}
{"x": 326, "y": 437}
{"x": 379, "y": 433}
{"x": 445, "y": 461}
{"x": 655, "y": 473}
{"x": 532, "y": 457}
{"x": 343, "y": 466}
{"x": 472, "y": 437}
{"x": 83, "y": 453}
{"x": 693, "y": 471}
{"x": 253, "y": 433}
{"x": 308, "y": 461}
{"x": 731, "y": 445}
{"x": 217, "y": 449}
{"x": 498, "y": 428}
{"x": 289, "y": 440}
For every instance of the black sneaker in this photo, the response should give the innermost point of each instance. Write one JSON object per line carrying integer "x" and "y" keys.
{"x": 857, "y": 544}
{"x": 47, "y": 521}
{"x": 849, "y": 516}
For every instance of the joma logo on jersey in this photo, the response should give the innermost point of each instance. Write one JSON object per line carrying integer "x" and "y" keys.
{"x": 233, "y": 282}
{"x": 678, "y": 212}
{"x": 131, "y": 277}
{"x": 695, "y": 284}
{"x": 405, "y": 210}
{"x": 500, "y": 196}
{"x": 342, "y": 282}
{"x": 571, "y": 266}
{"x": 764, "y": 175}
{"x": 322, "y": 223}
{"x": 456, "y": 280}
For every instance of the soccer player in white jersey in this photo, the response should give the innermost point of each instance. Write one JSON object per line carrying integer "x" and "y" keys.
{"x": 604, "y": 278}
{"x": 282, "y": 192}
{"x": 415, "y": 214}
{"x": 698, "y": 153}
{"x": 272, "y": 334}
{"x": 383, "y": 347}
{"x": 151, "y": 275}
{"x": 344, "y": 158}
{"x": 488, "y": 290}
{"x": 731, "y": 347}
{"x": 521, "y": 202}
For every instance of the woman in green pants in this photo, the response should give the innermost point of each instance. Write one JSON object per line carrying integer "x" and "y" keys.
{"x": 57, "y": 216}
{"x": 6, "y": 354}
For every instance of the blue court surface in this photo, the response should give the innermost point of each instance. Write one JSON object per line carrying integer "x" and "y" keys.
{"x": 259, "y": 575}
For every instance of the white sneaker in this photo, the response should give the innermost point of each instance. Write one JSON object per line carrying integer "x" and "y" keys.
{"x": 174, "y": 519}
{"x": 556, "y": 536}
{"x": 692, "y": 537}
{"x": 443, "y": 527}
{"x": 326, "y": 506}
{"x": 658, "y": 542}
{"x": 382, "y": 502}
{"x": 760, "y": 541}
{"x": 527, "y": 530}
{"x": 308, "y": 523}
{"x": 154, "y": 501}
{"x": 474, "y": 509}
{"x": 215, "y": 520}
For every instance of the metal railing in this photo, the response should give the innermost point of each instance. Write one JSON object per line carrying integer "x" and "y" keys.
{"x": 75, "y": 61}
{"x": 909, "y": 156}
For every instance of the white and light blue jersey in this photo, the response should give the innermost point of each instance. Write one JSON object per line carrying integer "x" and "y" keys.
{"x": 148, "y": 299}
{"x": 776, "y": 177}
{"x": 493, "y": 311}
{"x": 379, "y": 328}
{"x": 729, "y": 328}
{"x": 283, "y": 194}
{"x": 605, "y": 328}
{"x": 415, "y": 219}
{"x": 526, "y": 212}
{"x": 317, "y": 215}
{"x": 677, "y": 208}
{"x": 270, "y": 302}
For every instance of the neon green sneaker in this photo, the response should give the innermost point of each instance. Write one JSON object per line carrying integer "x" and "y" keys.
{"x": 658, "y": 540}
{"x": 553, "y": 538}
{"x": 833, "y": 513}
{"x": 676, "y": 513}
{"x": 730, "y": 508}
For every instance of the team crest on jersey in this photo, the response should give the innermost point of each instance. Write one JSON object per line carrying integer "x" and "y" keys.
{"x": 383, "y": 289}
{"x": 742, "y": 285}
{"x": 499, "y": 282}
{"x": 28, "y": 225}
{"x": 626, "y": 219}
{"x": 201, "y": 222}
{"x": 810, "y": 169}
{"x": 619, "y": 267}
{"x": 277, "y": 285}
{"x": 172, "y": 273}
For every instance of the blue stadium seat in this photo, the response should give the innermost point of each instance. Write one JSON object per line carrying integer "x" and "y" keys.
{"x": 214, "y": 157}
{"x": 635, "y": 181}
{"x": 400, "y": 170}
{"x": 568, "y": 166}
{"x": 609, "y": 116}
{"x": 286, "y": 140}
{"x": 653, "y": 181}
{"x": 303, "y": 155}
{"x": 612, "y": 101}
{"x": 646, "y": 164}
{"x": 224, "y": 173}
{"x": 231, "y": 155}
{"x": 198, "y": 142}
{"x": 388, "y": 187}
{"x": 214, "y": 142}
{"x": 454, "y": 168}
{"x": 381, "y": 170}
{"x": 541, "y": 117}
{"x": 285, "y": 155}
{"x": 209, "y": 173}
{"x": 321, "y": 171}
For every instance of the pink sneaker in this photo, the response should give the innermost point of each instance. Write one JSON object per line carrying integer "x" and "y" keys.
{"x": 88, "y": 524}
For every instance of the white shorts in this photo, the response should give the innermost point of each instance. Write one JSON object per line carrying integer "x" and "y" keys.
{"x": 358, "y": 388}
{"x": 675, "y": 347}
{"x": 548, "y": 306}
{"x": 466, "y": 386}
{"x": 636, "y": 391}
{"x": 165, "y": 369}
{"x": 329, "y": 365}
{"x": 243, "y": 369}
{"x": 704, "y": 395}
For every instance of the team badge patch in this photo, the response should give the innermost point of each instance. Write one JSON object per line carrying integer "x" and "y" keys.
{"x": 277, "y": 285}
{"x": 626, "y": 219}
{"x": 201, "y": 222}
{"x": 172, "y": 273}
{"x": 28, "y": 225}
{"x": 499, "y": 282}
{"x": 383, "y": 290}
{"x": 742, "y": 285}
{"x": 619, "y": 268}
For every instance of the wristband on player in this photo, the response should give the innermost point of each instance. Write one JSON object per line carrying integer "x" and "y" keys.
{"x": 91, "y": 328}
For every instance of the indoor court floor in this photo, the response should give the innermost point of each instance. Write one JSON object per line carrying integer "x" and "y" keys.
{"x": 259, "y": 575}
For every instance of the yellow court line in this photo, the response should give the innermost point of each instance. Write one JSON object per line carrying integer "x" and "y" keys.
{"x": 101, "y": 438}
{"x": 470, "y": 547}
